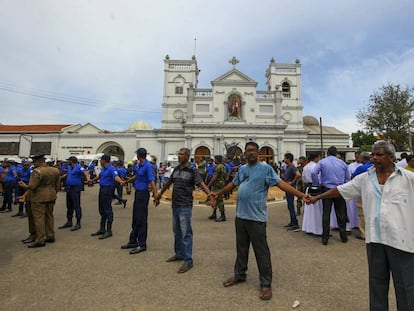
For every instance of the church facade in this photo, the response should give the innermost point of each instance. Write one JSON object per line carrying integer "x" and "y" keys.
{"x": 231, "y": 112}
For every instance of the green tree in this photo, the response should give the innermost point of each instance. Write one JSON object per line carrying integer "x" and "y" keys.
{"x": 388, "y": 114}
{"x": 363, "y": 140}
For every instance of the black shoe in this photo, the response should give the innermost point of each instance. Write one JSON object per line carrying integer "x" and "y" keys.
{"x": 50, "y": 240}
{"x": 221, "y": 218}
{"x": 66, "y": 225}
{"x": 5, "y": 210}
{"x": 185, "y": 267}
{"x": 99, "y": 232}
{"x": 124, "y": 202}
{"x": 24, "y": 215}
{"x": 344, "y": 239}
{"x": 138, "y": 249}
{"x": 294, "y": 228}
{"x": 28, "y": 240}
{"x": 36, "y": 244}
{"x": 17, "y": 215}
{"x": 75, "y": 227}
{"x": 325, "y": 241}
{"x": 288, "y": 225}
{"x": 129, "y": 245}
{"x": 213, "y": 217}
{"x": 359, "y": 237}
{"x": 106, "y": 235}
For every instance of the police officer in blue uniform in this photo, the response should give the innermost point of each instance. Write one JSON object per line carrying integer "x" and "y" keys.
{"x": 10, "y": 181}
{"x": 74, "y": 185}
{"x": 119, "y": 166}
{"x": 106, "y": 179}
{"x": 23, "y": 174}
{"x": 143, "y": 178}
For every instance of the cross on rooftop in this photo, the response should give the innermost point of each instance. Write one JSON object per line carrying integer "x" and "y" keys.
{"x": 234, "y": 61}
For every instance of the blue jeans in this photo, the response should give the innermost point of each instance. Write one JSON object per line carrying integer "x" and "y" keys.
{"x": 290, "y": 198}
{"x": 183, "y": 233}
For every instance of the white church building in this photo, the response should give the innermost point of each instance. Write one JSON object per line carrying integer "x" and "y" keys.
{"x": 232, "y": 111}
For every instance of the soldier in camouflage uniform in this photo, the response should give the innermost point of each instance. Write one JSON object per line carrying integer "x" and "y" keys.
{"x": 299, "y": 203}
{"x": 218, "y": 183}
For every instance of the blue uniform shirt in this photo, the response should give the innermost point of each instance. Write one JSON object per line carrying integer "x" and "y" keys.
{"x": 107, "y": 175}
{"x": 121, "y": 172}
{"x": 144, "y": 174}
{"x": 10, "y": 174}
{"x": 210, "y": 169}
{"x": 24, "y": 174}
{"x": 74, "y": 175}
{"x": 91, "y": 168}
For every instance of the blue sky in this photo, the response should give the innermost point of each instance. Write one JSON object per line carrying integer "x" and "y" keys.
{"x": 101, "y": 61}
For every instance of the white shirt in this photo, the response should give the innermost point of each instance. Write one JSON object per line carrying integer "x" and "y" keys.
{"x": 307, "y": 172}
{"x": 402, "y": 163}
{"x": 352, "y": 168}
{"x": 388, "y": 209}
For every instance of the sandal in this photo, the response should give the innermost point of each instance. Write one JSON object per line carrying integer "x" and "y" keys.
{"x": 265, "y": 293}
{"x": 232, "y": 281}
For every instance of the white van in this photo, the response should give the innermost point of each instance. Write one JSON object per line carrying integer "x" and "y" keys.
{"x": 88, "y": 158}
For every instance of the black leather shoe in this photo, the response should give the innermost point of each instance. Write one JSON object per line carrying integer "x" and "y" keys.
{"x": 99, "y": 232}
{"x": 28, "y": 240}
{"x": 66, "y": 225}
{"x": 129, "y": 245}
{"x": 75, "y": 227}
{"x": 106, "y": 235}
{"x": 36, "y": 244}
{"x": 343, "y": 236}
{"x": 325, "y": 241}
{"x": 50, "y": 240}
{"x": 138, "y": 249}
{"x": 17, "y": 215}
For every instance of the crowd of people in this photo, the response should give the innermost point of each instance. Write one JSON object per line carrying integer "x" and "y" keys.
{"x": 375, "y": 185}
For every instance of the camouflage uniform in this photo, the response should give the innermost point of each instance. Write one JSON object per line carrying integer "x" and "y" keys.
{"x": 301, "y": 188}
{"x": 219, "y": 184}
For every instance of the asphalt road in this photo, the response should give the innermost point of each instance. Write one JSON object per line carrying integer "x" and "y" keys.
{"x": 80, "y": 272}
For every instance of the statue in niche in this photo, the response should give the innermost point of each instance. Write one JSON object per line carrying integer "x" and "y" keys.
{"x": 234, "y": 106}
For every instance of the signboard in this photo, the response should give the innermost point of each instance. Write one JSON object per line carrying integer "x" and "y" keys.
{"x": 25, "y": 146}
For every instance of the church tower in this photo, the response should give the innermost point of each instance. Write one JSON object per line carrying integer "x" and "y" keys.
{"x": 179, "y": 77}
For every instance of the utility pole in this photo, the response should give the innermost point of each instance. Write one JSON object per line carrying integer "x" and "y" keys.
{"x": 321, "y": 134}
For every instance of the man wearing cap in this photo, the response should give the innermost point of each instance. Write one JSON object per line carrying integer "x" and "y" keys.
{"x": 106, "y": 179}
{"x": 74, "y": 186}
{"x": 42, "y": 190}
{"x": 143, "y": 178}
{"x": 23, "y": 174}
{"x": 9, "y": 185}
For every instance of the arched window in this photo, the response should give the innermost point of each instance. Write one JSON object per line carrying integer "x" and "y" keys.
{"x": 286, "y": 89}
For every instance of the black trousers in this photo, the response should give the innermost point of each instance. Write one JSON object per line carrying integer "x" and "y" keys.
{"x": 340, "y": 211}
{"x": 105, "y": 203}
{"x": 254, "y": 232}
{"x": 382, "y": 260}
{"x": 73, "y": 202}
{"x": 140, "y": 218}
{"x": 8, "y": 194}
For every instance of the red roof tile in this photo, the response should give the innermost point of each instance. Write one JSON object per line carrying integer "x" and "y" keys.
{"x": 33, "y": 128}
